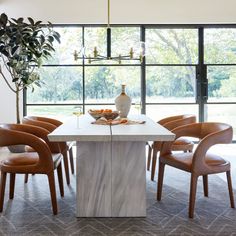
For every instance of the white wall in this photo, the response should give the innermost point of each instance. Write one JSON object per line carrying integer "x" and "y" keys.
{"x": 122, "y": 11}
{"x": 7, "y": 103}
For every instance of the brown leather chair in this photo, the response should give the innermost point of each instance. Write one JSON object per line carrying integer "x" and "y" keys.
{"x": 181, "y": 144}
{"x": 44, "y": 160}
{"x": 57, "y": 123}
{"x": 63, "y": 146}
{"x": 201, "y": 162}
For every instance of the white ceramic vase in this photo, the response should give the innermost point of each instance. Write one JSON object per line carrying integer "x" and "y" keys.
{"x": 123, "y": 103}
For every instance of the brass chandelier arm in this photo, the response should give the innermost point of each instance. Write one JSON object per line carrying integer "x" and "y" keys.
{"x": 96, "y": 56}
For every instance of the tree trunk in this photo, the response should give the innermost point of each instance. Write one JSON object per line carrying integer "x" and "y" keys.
{"x": 17, "y": 106}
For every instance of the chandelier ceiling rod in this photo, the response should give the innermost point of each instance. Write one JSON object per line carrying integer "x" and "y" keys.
{"x": 108, "y": 31}
{"x": 108, "y": 13}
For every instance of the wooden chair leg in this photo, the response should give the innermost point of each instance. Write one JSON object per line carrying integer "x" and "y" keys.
{"x": 26, "y": 178}
{"x": 60, "y": 180}
{"x": 160, "y": 180}
{"x": 149, "y": 157}
{"x": 192, "y": 196}
{"x": 2, "y": 189}
{"x": 231, "y": 194}
{"x": 51, "y": 182}
{"x": 205, "y": 185}
{"x": 65, "y": 159}
{"x": 154, "y": 159}
{"x": 71, "y": 160}
{"x": 12, "y": 185}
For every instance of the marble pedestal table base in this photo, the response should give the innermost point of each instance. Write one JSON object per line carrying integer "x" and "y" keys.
{"x": 111, "y": 179}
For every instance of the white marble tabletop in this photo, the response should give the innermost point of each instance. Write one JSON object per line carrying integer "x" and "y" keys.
{"x": 149, "y": 131}
{"x": 85, "y": 131}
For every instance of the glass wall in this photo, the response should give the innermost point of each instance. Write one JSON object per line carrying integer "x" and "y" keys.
{"x": 167, "y": 82}
{"x": 68, "y": 84}
{"x": 171, "y": 59}
{"x": 220, "y": 62}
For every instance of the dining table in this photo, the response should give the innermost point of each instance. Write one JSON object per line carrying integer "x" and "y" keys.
{"x": 110, "y": 163}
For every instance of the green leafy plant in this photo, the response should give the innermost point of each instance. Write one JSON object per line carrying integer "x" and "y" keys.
{"x": 24, "y": 44}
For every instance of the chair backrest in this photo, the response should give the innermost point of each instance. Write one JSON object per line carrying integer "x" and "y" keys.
{"x": 173, "y": 122}
{"x": 35, "y": 137}
{"x": 48, "y": 126}
{"x": 45, "y": 119}
{"x": 209, "y": 133}
{"x": 176, "y": 121}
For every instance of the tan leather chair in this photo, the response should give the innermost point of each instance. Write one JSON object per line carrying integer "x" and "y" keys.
{"x": 57, "y": 123}
{"x": 63, "y": 146}
{"x": 201, "y": 162}
{"x": 44, "y": 160}
{"x": 181, "y": 144}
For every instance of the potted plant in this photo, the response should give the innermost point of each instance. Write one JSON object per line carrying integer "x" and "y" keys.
{"x": 23, "y": 46}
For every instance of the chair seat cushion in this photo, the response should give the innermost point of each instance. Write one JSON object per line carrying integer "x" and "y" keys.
{"x": 20, "y": 159}
{"x": 184, "y": 160}
{"x": 182, "y": 144}
{"x": 182, "y": 141}
{"x": 28, "y": 158}
{"x": 29, "y": 149}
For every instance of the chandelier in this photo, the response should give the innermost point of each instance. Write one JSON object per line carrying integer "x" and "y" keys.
{"x": 119, "y": 58}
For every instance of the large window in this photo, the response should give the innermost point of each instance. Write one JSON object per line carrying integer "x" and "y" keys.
{"x": 172, "y": 46}
{"x": 187, "y": 69}
{"x": 220, "y": 62}
{"x": 103, "y": 83}
{"x": 69, "y": 84}
{"x": 171, "y": 59}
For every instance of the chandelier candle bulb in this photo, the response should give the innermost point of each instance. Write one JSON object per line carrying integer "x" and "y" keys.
{"x": 141, "y": 58}
{"x": 95, "y": 52}
{"x": 76, "y": 55}
{"x": 131, "y": 53}
{"x": 119, "y": 59}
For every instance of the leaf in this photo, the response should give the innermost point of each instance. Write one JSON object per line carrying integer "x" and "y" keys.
{"x": 14, "y": 49}
{"x": 31, "y": 20}
{"x": 29, "y": 57}
{"x": 38, "y": 23}
{"x": 2, "y": 48}
{"x": 2, "y": 32}
{"x": 5, "y": 53}
{"x": 3, "y": 19}
{"x": 50, "y": 38}
{"x": 50, "y": 24}
{"x": 42, "y": 39}
{"x": 38, "y": 84}
{"x": 57, "y": 37}
{"x": 15, "y": 20}
{"x": 20, "y": 20}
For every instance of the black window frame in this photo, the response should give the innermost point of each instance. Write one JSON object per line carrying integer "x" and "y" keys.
{"x": 201, "y": 67}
